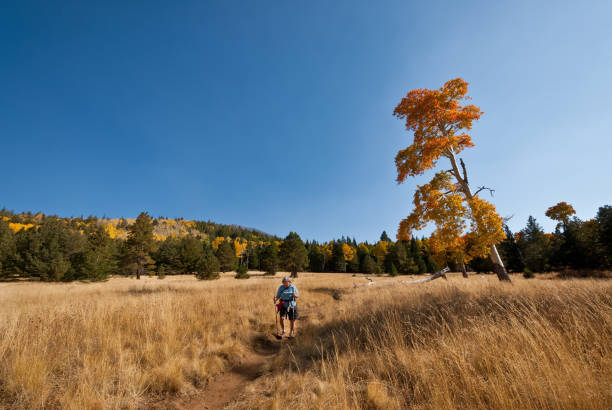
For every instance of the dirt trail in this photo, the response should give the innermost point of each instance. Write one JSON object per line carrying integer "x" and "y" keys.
{"x": 227, "y": 386}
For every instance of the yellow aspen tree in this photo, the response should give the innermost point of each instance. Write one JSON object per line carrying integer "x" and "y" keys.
{"x": 348, "y": 252}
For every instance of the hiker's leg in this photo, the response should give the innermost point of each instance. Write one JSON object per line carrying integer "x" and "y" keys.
{"x": 282, "y": 322}
{"x": 292, "y": 327}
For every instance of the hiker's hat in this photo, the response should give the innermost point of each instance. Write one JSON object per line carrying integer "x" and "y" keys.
{"x": 286, "y": 279}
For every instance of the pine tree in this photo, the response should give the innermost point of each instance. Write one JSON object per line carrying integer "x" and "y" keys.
{"x": 46, "y": 251}
{"x": 139, "y": 246}
{"x": 410, "y": 268}
{"x": 242, "y": 272}
{"x": 253, "y": 256}
{"x": 316, "y": 259}
{"x": 432, "y": 265}
{"x": 354, "y": 264}
{"x": 7, "y": 248}
{"x": 208, "y": 268}
{"x": 227, "y": 256}
{"x": 393, "y": 271}
{"x": 338, "y": 262}
{"x": 269, "y": 258}
{"x": 98, "y": 260}
{"x": 511, "y": 252}
{"x": 384, "y": 237}
{"x": 535, "y": 246}
{"x": 368, "y": 265}
{"x": 604, "y": 234}
{"x": 167, "y": 256}
{"x": 398, "y": 257}
{"x": 293, "y": 254}
{"x": 191, "y": 252}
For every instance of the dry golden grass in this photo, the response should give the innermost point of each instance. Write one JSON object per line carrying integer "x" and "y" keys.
{"x": 473, "y": 343}
{"x": 469, "y": 344}
{"x": 120, "y": 343}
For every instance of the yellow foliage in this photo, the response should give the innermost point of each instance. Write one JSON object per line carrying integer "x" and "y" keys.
{"x": 381, "y": 249}
{"x": 240, "y": 247}
{"x": 113, "y": 231}
{"x": 348, "y": 252}
{"x": 363, "y": 247}
{"x": 486, "y": 228}
{"x": 159, "y": 237}
{"x": 217, "y": 241}
{"x": 326, "y": 249}
{"x": 16, "y": 227}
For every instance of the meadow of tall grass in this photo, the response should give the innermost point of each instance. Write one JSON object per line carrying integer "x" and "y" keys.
{"x": 121, "y": 343}
{"x": 470, "y": 344}
{"x": 461, "y": 343}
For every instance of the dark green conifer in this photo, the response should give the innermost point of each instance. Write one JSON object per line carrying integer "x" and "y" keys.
{"x": 269, "y": 258}
{"x": 226, "y": 256}
{"x": 139, "y": 246}
{"x": 293, "y": 255}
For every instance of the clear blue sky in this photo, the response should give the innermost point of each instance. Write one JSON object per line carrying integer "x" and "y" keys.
{"x": 278, "y": 115}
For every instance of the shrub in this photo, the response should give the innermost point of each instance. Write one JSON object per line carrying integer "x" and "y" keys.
{"x": 528, "y": 274}
{"x": 393, "y": 270}
{"x": 242, "y": 272}
{"x": 584, "y": 273}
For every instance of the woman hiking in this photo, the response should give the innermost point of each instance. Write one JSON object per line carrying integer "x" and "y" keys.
{"x": 286, "y": 296}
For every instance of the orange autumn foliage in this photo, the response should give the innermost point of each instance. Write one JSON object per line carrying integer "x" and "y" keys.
{"x": 560, "y": 212}
{"x": 439, "y": 120}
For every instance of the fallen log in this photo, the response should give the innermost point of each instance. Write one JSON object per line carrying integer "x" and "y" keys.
{"x": 439, "y": 274}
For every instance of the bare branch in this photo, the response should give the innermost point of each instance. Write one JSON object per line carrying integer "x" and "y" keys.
{"x": 484, "y": 188}
{"x": 465, "y": 178}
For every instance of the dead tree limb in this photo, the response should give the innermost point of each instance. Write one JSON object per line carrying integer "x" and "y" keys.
{"x": 465, "y": 178}
{"x": 439, "y": 274}
{"x": 483, "y": 188}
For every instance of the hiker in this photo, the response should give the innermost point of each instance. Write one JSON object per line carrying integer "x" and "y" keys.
{"x": 286, "y": 296}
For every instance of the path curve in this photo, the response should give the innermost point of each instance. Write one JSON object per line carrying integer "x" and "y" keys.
{"x": 224, "y": 388}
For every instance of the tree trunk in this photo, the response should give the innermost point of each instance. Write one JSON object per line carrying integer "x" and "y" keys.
{"x": 498, "y": 264}
{"x": 463, "y": 270}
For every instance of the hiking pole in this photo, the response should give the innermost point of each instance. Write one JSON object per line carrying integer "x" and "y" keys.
{"x": 279, "y": 337}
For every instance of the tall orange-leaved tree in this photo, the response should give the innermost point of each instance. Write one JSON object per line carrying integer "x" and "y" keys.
{"x": 466, "y": 225}
{"x": 560, "y": 212}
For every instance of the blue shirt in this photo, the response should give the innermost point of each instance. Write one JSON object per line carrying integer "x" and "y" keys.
{"x": 286, "y": 294}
